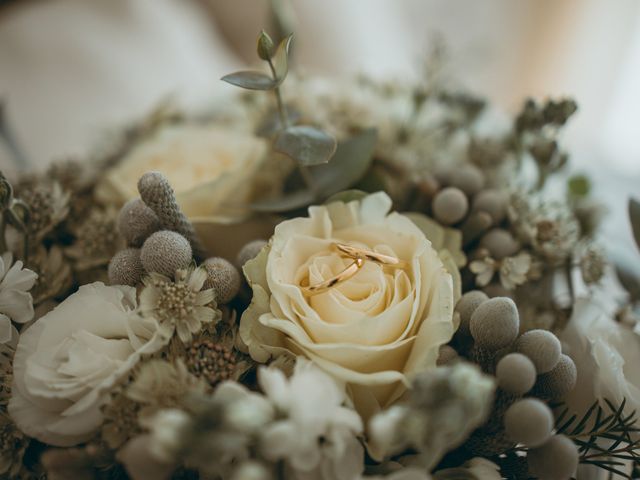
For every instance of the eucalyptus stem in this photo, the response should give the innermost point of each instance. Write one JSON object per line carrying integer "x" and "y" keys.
{"x": 307, "y": 178}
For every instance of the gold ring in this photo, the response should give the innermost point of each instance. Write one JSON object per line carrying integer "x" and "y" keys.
{"x": 346, "y": 274}
{"x": 357, "y": 252}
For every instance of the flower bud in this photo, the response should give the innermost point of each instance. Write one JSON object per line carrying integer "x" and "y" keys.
{"x": 500, "y": 243}
{"x": 529, "y": 421}
{"x": 516, "y": 374}
{"x": 466, "y": 306}
{"x": 492, "y": 202}
{"x": 542, "y": 347}
{"x": 555, "y": 384}
{"x": 450, "y": 205}
{"x": 136, "y": 221}
{"x": 165, "y": 252}
{"x": 265, "y": 46}
{"x": 557, "y": 459}
{"x": 223, "y": 277}
{"x": 249, "y": 252}
{"x": 468, "y": 178}
{"x": 495, "y": 323}
{"x": 125, "y": 268}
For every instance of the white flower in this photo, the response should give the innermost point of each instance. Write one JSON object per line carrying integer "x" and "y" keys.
{"x": 210, "y": 168}
{"x": 373, "y": 331}
{"x": 16, "y": 302}
{"x": 606, "y": 354}
{"x": 69, "y": 359}
{"x": 179, "y": 306}
{"x": 514, "y": 270}
{"x": 477, "y": 468}
{"x": 317, "y": 436}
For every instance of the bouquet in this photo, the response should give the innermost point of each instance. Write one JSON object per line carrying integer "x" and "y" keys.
{"x": 317, "y": 280}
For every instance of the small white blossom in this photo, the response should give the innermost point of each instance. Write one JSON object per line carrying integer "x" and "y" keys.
{"x": 317, "y": 436}
{"x": 16, "y": 303}
{"x": 514, "y": 270}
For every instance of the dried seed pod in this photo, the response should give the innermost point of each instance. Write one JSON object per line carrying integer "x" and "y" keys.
{"x": 157, "y": 193}
{"x": 500, "y": 243}
{"x": 125, "y": 268}
{"x": 495, "y": 323}
{"x": 555, "y": 384}
{"x": 249, "y": 252}
{"x": 529, "y": 421}
{"x": 223, "y": 277}
{"x": 466, "y": 306}
{"x": 468, "y": 178}
{"x": 542, "y": 347}
{"x": 492, "y": 202}
{"x": 136, "y": 221}
{"x": 516, "y": 373}
{"x": 556, "y": 459}
{"x": 450, "y": 205}
{"x": 165, "y": 252}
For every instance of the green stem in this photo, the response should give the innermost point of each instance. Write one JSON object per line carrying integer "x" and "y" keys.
{"x": 307, "y": 178}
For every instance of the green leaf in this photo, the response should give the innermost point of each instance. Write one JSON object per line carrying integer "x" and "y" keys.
{"x": 634, "y": 216}
{"x": 307, "y": 145}
{"x": 346, "y": 196}
{"x": 251, "y": 80}
{"x": 349, "y": 164}
{"x": 579, "y": 185}
{"x": 281, "y": 59}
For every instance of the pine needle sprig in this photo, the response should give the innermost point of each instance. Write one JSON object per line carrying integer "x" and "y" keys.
{"x": 606, "y": 436}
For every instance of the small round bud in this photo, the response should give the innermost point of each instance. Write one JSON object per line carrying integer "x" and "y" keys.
{"x": 125, "y": 268}
{"x": 529, "y": 421}
{"x": 249, "y": 252}
{"x": 492, "y": 202}
{"x": 223, "y": 277}
{"x": 466, "y": 306}
{"x": 165, "y": 252}
{"x": 554, "y": 385}
{"x": 500, "y": 243}
{"x": 468, "y": 178}
{"x": 516, "y": 374}
{"x": 136, "y": 222}
{"x": 542, "y": 347}
{"x": 265, "y": 46}
{"x": 557, "y": 459}
{"x": 446, "y": 355}
{"x": 495, "y": 323}
{"x": 450, "y": 205}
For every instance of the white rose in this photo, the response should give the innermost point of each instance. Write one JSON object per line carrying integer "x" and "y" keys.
{"x": 607, "y": 355}
{"x": 372, "y": 331}
{"x": 68, "y": 360}
{"x": 209, "y": 167}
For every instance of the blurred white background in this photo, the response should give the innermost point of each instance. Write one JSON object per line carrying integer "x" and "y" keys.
{"x": 71, "y": 69}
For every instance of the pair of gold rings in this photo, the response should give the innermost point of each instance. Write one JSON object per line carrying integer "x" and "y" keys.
{"x": 359, "y": 256}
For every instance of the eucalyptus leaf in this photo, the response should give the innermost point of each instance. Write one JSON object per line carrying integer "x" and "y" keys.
{"x": 634, "y": 216}
{"x": 281, "y": 58}
{"x": 307, "y": 145}
{"x": 349, "y": 164}
{"x": 346, "y": 196}
{"x": 251, "y": 80}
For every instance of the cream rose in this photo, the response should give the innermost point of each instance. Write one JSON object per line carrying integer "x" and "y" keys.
{"x": 372, "y": 331}
{"x": 209, "y": 167}
{"x": 68, "y": 360}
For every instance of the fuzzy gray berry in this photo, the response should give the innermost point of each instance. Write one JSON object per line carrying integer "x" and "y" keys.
{"x": 474, "y": 226}
{"x": 136, "y": 222}
{"x": 450, "y": 205}
{"x": 500, "y": 243}
{"x": 125, "y": 268}
{"x": 249, "y": 252}
{"x": 529, "y": 421}
{"x": 223, "y": 277}
{"x": 557, "y": 459}
{"x": 468, "y": 178}
{"x": 495, "y": 323}
{"x": 542, "y": 347}
{"x": 554, "y": 385}
{"x": 493, "y": 202}
{"x": 466, "y": 306}
{"x": 165, "y": 252}
{"x": 157, "y": 193}
{"x": 516, "y": 374}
